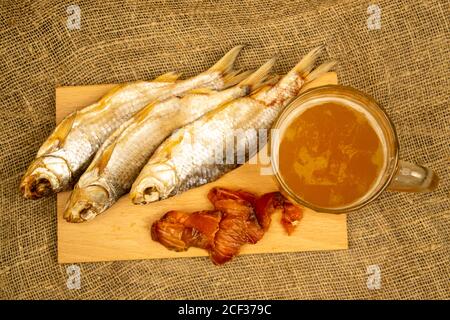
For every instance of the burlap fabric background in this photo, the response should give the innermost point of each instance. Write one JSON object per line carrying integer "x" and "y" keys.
{"x": 404, "y": 66}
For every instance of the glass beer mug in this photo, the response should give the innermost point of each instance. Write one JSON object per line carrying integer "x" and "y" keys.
{"x": 335, "y": 150}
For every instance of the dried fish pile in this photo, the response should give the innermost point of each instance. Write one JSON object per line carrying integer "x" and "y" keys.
{"x": 155, "y": 139}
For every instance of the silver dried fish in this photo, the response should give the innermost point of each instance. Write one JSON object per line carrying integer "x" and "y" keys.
{"x": 188, "y": 158}
{"x": 119, "y": 162}
{"x": 70, "y": 148}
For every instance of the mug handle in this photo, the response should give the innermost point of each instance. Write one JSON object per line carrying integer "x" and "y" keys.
{"x": 410, "y": 177}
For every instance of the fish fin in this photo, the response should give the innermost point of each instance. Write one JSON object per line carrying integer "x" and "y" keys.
{"x": 266, "y": 85}
{"x": 99, "y": 105}
{"x": 234, "y": 77}
{"x": 143, "y": 113}
{"x": 103, "y": 160}
{"x": 260, "y": 90}
{"x": 304, "y": 67}
{"x": 58, "y": 136}
{"x": 168, "y": 77}
{"x": 170, "y": 144}
{"x": 201, "y": 91}
{"x": 259, "y": 77}
{"x": 225, "y": 64}
{"x": 107, "y": 96}
{"x": 272, "y": 80}
{"x": 320, "y": 70}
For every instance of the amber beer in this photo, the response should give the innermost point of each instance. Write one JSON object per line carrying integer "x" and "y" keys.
{"x": 335, "y": 150}
{"x": 332, "y": 154}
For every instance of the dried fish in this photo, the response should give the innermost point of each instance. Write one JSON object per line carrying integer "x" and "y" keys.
{"x": 195, "y": 154}
{"x": 123, "y": 155}
{"x": 70, "y": 148}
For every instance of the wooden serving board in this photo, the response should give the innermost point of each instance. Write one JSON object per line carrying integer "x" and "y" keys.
{"x": 122, "y": 232}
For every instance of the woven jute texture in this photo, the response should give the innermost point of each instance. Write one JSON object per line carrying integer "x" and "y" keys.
{"x": 404, "y": 65}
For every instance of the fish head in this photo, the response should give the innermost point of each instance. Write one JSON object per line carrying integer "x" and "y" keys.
{"x": 45, "y": 176}
{"x": 86, "y": 203}
{"x": 155, "y": 182}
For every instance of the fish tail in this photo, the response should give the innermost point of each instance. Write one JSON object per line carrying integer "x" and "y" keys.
{"x": 260, "y": 77}
{"x": 304, "y": 67}
{"x": 320, "y": 70}
{"x": 226, "y": 63}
